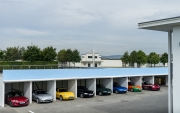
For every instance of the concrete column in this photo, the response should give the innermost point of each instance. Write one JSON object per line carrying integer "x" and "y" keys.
{"x": 166, "y": 80}
{"x": 28, "y": 90}
{"x": 93, "y": 58}
{"x": 123, "y": 81}
{"x": 2, "y": 89}
{"x": 72, "y": 86}
{"x": 137, "y": 80}
{"x": 149, "y": 78}
{"x": 108, "y": 83}
{"x": 91, "y": 85}
{"x": 173, "y": 98}
{"x": 51, "y": 88}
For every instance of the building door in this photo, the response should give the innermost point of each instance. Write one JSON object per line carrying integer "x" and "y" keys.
{"x": 89, "y": 65}
{"x": 95, "y": 65}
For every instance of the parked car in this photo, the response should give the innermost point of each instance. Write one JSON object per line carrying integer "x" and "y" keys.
{"x": 41, "y": 95}
{"x": 146, "y": 85}
{"x": 64, "y": 94}
{"x": 132, "y": 87}
{"x": 119, "y": 89}
{"x": 82, "y": 92}
{"x": 16, "y": 98}
{"x": 101, "y": 90}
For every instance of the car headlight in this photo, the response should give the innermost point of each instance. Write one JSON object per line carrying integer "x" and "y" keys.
{"x": 14, "y": 100}
{"x": 153, "y": 86}
{"x": 85, "y": 93}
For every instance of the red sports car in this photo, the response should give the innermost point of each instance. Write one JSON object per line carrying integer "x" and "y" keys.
{"x": 16, "y": 98}
{"x": 149, "y": 86}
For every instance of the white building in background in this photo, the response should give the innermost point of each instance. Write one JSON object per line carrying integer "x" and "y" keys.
{"x": 88, "y": 61}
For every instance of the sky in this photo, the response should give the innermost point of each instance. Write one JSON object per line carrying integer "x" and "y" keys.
{"x": 110, "y": 27}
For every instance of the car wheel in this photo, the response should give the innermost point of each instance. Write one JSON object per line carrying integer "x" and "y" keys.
{"x": 149, "y": 89}
{"x": 116, "y": 92}
{"x": 132, "y": 90}
{"x": 81, "y": 95}
{"x": 60, "y": 98}
{"x": 37, "y": 101}
{"x": 100, "y": 93}
{"x": 10, "y": 104}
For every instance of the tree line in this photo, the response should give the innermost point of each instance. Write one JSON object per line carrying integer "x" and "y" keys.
{"x": 141, "y": 58}
{"x": 33, "y": 53}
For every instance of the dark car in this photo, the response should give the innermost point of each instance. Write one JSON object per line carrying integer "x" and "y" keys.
{"x": 119, "y": 89}
{"x": 101, "y": 90}
{"x": 82, "y": 92}
{"x": 146, "y": 85}
{"x": 16, "y": 98}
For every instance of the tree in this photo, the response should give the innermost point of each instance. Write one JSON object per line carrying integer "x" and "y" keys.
{"x": 12, "y": 53}
{"x": 69, "y": 55}
{"x": 33, "y": 53}
{"x": 164, "y": 58}
{"x": 155, "y": 59}
{"x": 125, "y": 58}
{"x": 2, "y": 55}
{"x": 76, "y": 57}
{"x": 61, "y": 56}
{"x": 49, "y": 53}
{"x": 149, "y": 58}
{"x": 133, "y": 57}
{"x": 141, "y": 58}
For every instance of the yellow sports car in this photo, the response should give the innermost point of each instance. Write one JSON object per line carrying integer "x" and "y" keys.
{"x": 64, "y": 94}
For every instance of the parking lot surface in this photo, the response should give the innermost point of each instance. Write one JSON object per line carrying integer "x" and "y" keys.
{"x": 131, "y": 102}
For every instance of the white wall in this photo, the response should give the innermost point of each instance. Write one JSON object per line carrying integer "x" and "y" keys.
{"x": 111, "y": 63}
{"x": 72, "y": 86}
{"x": 123, "y": 81}
{"x": 176, "y": 70}
{"x": 1, "y": 91}
{"x": 51, "y": 88}
{"x": 91, "y": 85}
{"x": 149, "y": 78}
{"x": 137, "y": 80}
{"x": 28, "y": 90}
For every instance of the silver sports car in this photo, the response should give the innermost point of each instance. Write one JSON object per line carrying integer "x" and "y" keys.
{"x": 41, "y": 96}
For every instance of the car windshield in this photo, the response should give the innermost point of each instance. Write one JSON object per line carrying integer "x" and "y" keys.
{"x": 131, "y": 83}
{"x": 116, "y": 84}
{"x": 148, "y": 83}
{"x": 63, "y": 90}
{"x": 100, "y": 86}
{"x": 82, "y": 88}
{"x": 15, "y": 94}
{"x": 41, "y": 92}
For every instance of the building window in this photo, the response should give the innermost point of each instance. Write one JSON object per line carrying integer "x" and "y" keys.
{"x": 89, "y": 65}
{"x": 82, "y": 57}
{"x": 91, "y": 56}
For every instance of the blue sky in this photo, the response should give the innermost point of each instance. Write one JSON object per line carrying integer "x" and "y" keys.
{"x": 108, "y": 26}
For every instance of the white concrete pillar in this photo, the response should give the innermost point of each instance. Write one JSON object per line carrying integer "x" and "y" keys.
{"x": 72, "y": 86}
{"x": 123, "y": 81}
{"x": 2, "y": 89}
{"x": 149, "y": 78}
{"x": 166, "y": 80}
{"x": 28, "y": 90}
{"x": 51, "y": 88}
{"x": 91, "y": 85}
{"x": 176, "y": 71}
{"x": 108, "y": 83}
{"x": 137, "y": 80}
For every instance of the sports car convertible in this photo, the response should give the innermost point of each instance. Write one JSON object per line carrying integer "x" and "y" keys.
{"x": 132, "y": 87}
{"x": 119, "y": 89}
{"x": 64, "y": 94}
{"x": 149, "y": 86}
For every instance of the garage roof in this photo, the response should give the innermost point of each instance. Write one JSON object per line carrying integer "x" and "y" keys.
{"x": 161, "y": 25}
{"x": 66, "y": 74}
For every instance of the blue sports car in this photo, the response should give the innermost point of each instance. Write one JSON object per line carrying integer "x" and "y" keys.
{"x": 119, "y": 89}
